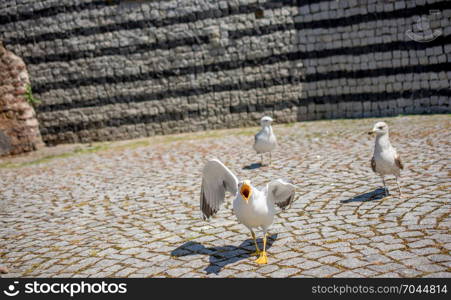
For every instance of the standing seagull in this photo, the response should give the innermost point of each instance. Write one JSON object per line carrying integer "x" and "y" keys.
{"x": 254, "y": 208}
{"x": 265, "y": 140}
{"x": 385, "y": 160}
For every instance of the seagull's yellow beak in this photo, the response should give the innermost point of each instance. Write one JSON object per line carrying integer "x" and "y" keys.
{"x": 371, "y": 132}
{"x": 246, "y": 191}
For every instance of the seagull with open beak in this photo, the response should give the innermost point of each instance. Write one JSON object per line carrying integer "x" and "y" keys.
{"x": 253, "y": 208}
{"x": 385, "y": 160}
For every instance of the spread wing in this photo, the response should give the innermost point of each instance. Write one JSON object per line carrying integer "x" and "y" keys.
{"x": 216, "y": 180}
{"x": 373, "y": 164}
{"x": 398, "y": 161}
{"x": 281, "y": 193}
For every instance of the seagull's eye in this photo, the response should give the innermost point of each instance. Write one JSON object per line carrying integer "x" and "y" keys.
{"x": 380, "y": 127}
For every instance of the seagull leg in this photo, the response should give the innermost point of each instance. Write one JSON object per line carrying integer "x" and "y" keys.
{"x": 385, "y": 187}
{"x": 257, "y": 250}
{"x": 261, "y": 156}
{"x": 399, "y": 188}
{"x": 270, "y": 159}
{"x": 263, "y": 258}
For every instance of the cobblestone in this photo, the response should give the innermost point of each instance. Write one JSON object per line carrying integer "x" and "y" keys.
{"x": 131, "y": 208}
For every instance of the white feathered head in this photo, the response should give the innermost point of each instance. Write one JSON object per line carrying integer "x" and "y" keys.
{"x": 266, "y": 120}
{"x": 379, "y": 128}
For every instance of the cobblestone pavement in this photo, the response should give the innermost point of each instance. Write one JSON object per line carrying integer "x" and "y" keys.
{"x": 131, "y": 209}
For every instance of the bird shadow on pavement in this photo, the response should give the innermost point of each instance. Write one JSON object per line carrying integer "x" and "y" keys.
{"x": 377, "y": 194}
{"x": 253, "y": 166}
{"x": 224, "y": 255}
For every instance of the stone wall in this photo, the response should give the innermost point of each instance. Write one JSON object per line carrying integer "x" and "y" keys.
{"x": 19, "y": 131}
{"x": 121, "y": 69}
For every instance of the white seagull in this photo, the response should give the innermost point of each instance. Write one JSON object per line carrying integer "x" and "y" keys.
{"x": 385, "y": 160}
{"x": 253, "y": 208}
{"x": 265, "y": 140}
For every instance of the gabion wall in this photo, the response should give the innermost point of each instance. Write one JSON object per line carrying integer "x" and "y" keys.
{"x": 121, "y": 69}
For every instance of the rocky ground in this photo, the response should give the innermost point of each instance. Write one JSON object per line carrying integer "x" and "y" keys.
{"x": 131, "y": 208}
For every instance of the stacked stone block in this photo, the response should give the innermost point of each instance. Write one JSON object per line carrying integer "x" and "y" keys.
{"x": 19, "y": 131}
{"x": 122, "y": 69}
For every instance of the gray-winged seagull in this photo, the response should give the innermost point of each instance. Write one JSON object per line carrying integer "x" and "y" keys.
{"x": 253, "y": 208}
{"x": 385, "y": 160}
{"x": 265, "y": 140}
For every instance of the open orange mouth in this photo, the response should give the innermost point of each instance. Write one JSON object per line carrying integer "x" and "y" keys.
{"x": 246, "y": 191}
